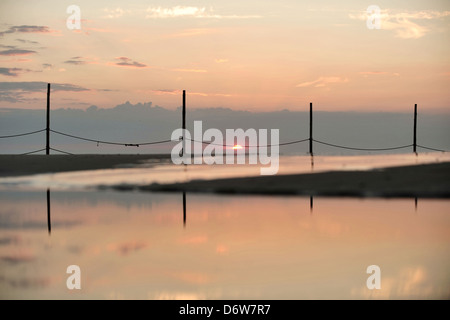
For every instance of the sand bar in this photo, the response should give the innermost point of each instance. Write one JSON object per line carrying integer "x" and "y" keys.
{"x": 427, "y": 180}
{"x": 16, "y": 165}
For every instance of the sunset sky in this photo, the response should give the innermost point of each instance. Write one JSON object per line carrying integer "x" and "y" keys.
{"x": 245, "y": 55}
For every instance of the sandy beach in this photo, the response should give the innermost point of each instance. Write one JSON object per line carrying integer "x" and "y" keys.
{"x": 16, "y": 165}
{"x": 426, "y": 180}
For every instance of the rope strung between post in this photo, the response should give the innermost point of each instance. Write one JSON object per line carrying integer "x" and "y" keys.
{"x": 257, "y": 146}
{"x": 362, "y": 149}
{"x": 110, "y": 142}
{"x": 292, "y": 142}
{"x": 23, "y": 154}
{"x": 22, "y": 134}
{"x": 210, "y": 143}
{"x": 433, "y": 149}
{"x": 61, "y": 151}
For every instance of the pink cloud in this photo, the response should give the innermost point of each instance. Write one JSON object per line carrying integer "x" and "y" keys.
{"x": 16, "y": 52}
{"x": 127, "y": 62}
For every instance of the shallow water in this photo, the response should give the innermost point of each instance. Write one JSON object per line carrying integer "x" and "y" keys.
{"x": 148, "y": 246}
{"x": 152, "y": 172}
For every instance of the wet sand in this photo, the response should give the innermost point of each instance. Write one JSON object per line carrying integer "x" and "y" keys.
{"x": 428, "y": 180}
{"x": 16, "y": 165}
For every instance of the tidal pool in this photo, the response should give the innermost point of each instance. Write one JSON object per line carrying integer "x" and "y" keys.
{"x": 136, "y": 245}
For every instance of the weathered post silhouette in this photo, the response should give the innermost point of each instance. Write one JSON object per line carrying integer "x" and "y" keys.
{"x": 310, "y": 129}
{"x": 47, "y": 145}
{"x": 415, "y": 130}
{"x": 184, "y": 123}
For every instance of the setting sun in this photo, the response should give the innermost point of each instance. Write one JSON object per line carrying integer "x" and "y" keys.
{"x": 237, "y": 147}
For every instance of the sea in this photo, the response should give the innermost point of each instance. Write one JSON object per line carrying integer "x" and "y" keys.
{"x": 70, "y": 236}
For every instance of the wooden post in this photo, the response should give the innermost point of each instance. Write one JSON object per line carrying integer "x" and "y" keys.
{"x": 184, "y": 121}
{"x": 47, "y": 145}
{"x": 415, "y": 130}
{"x": 184, "y": 109}
{"x": 310, "y": 129}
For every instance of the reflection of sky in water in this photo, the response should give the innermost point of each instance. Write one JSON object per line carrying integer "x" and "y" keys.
{"x": 135, "y": 245}
{"x": 149, "y": 173}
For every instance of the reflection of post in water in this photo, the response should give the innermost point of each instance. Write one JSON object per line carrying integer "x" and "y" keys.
{"x": 184, "y": 208}
{"x": 311, "y": 204}
{"x": 415, "y": 203}
{"x": 312, "y": 162}
{"x": 49, "y": 222}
